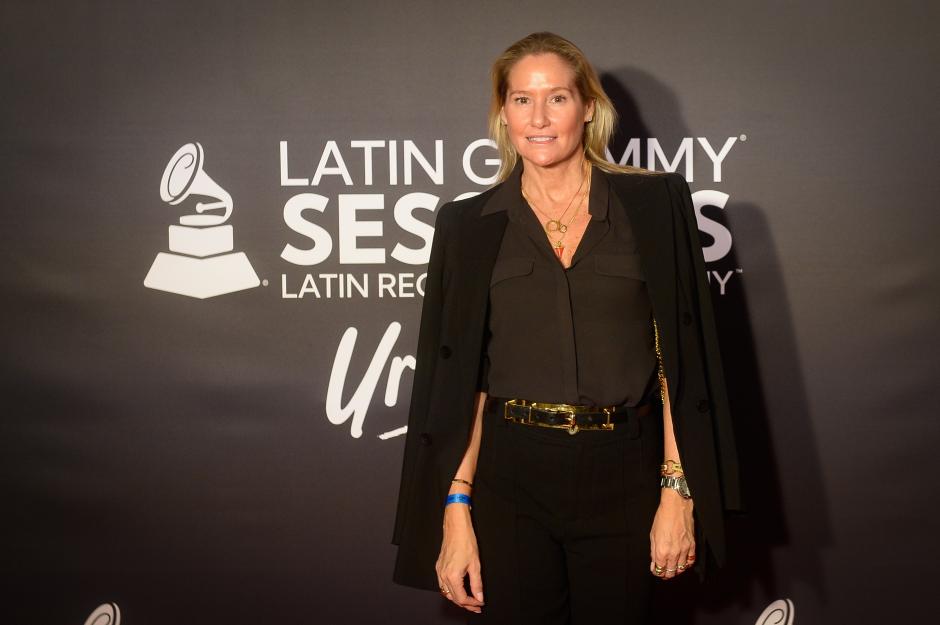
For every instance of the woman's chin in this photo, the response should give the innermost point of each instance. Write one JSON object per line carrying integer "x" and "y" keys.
{"x": 540, "y": 158}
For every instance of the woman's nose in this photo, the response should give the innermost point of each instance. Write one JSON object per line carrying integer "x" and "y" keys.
{"x": 539, "y": 118}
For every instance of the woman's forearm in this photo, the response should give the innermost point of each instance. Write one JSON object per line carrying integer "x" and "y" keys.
{"x": 468, "y": 465}
{"x": 670, "y": 447}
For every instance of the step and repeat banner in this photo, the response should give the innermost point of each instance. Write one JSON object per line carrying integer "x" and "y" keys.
{"x": 216, "y": 226}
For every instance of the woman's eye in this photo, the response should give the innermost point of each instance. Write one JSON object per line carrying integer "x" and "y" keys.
{"x": 522, "y": 99}
{"x": 558, "y": 98}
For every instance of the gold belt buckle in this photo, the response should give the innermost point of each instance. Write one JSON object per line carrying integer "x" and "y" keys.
{"x": 567, "y": 408}
{"x": 572, "y": 426}
{"x": 560, "y": 409}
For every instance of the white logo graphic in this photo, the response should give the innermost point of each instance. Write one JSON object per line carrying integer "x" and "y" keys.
{"x": 105, "y": 614}
{"x": 780, "y": 612}
{"x": 200, "y": 262}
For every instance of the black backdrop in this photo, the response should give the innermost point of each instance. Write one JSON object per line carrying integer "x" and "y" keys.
{"x": 233, "y": 456}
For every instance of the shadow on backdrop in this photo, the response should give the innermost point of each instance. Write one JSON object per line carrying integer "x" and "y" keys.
{"x": 648, "y": 108}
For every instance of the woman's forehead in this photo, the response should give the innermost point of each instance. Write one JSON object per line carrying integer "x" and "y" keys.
{"x": 543, "y": 71}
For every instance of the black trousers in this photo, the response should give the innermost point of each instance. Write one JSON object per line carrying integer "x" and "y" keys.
{"x": 562, "y": 521}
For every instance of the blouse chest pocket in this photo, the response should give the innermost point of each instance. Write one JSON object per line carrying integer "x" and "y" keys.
{"x": 621, "y": 265}
{"x": 511, "y": 268}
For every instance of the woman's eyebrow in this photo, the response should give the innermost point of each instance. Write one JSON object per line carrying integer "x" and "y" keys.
{"x": 525, "y": 92}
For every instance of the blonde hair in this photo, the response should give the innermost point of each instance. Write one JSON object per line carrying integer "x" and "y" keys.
{"x": 597, "y": 132}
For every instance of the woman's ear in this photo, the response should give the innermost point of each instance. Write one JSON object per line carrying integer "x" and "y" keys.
{"x": 589, "y": 112}
{"x": 502, "y": 115}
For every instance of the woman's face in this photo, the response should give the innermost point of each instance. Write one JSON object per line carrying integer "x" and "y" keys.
{"x": 544, "y": 113}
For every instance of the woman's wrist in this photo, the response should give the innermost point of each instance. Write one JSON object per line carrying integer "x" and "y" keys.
{"x": 671, "y": 497}
{"x": 457, "y": 516}
{"x": 463, "y": 486}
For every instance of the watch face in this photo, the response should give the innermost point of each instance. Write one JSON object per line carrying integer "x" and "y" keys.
{"x": 678, "y": 484}
{"x": 683, "y": 487}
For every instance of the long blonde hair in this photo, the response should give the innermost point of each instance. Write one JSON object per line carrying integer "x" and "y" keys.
{"x": 597, "y": 132}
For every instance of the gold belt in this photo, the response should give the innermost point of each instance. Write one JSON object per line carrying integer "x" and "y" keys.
{"x": 572, "y": 417}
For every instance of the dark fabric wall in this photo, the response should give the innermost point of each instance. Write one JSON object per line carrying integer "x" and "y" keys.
{"x": 231, "y": 454}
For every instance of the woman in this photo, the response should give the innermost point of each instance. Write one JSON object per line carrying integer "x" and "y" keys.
{"x": 569, "y": 412}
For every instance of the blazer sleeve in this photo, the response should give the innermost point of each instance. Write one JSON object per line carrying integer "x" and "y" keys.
{"x": 425, "y": 359}
{"x": 702, "y": 306}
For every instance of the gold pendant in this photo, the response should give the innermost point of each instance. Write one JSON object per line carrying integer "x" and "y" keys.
{"x": 553, "y": 225}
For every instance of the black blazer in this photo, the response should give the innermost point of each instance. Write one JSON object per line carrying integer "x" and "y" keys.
{"x": 450, "y": 348}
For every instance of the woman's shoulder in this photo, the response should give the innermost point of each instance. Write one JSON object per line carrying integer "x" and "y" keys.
{"x": 465, "y": 204}
{"x": 629, "y": 181}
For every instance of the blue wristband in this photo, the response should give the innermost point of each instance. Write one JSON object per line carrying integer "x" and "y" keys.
{"x": 457, "y": 498}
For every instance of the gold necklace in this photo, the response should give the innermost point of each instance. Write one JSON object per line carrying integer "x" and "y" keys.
{"x": 555, "y": 225}
{"x": 557, "y": 245}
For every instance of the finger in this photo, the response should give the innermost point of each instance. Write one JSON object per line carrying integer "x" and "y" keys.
{"x": 445, "y": 590}
{"x": 476, "y": 580}
{"x": 661, "y": 560}
{"x": 653, "y": 563}
{"x": 669, "y": 561}
{"x": 459, "y": 594}
{"x": 682, "y": 562}
{"x": 683, "y": 559}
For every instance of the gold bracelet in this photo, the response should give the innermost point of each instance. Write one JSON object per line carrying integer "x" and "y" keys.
{"x": 669, "y": 467}
{"x": 460, "y": 481}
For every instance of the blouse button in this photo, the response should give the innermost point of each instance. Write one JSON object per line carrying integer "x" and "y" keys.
{"x": 686, "y": 318}
{"x": 425, "y": 438}
{"x": 445, "y": 351}
{"x": 703, "y": 405}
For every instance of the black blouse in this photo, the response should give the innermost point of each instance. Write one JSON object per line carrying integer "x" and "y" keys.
{"x": 581, "y": 335}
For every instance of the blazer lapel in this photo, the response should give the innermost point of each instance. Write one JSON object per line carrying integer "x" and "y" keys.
{"x": 651, "y": 217}
{"x": 478, "y": 245}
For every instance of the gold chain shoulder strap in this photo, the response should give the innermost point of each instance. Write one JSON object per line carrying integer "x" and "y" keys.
{"x": 659, "y": 360}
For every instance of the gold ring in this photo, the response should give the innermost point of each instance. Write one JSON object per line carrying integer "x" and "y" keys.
{"x": 681, "y": 567}
{"x": 670, "y": 570}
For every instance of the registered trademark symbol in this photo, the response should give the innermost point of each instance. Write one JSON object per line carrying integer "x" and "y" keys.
{"x": 264, "y": 282}
{"x": 743, "y": 137}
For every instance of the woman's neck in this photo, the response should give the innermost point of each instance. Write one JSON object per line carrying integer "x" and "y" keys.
{"x": 558, "y": 183}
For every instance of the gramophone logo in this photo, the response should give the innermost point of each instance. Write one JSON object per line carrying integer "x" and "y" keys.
{"x": 201, "y": 261}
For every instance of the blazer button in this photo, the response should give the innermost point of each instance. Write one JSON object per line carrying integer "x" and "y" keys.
{"x": 686, "y": 318}
{"x": 445, "y": 351}
{"x": 703, "y": 405}
{"x": 425, "y": 438}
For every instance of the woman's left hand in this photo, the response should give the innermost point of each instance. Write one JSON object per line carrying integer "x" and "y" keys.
{"x": 672, "y": 538}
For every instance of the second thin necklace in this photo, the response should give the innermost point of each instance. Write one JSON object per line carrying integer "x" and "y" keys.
{"x": 555, "y": 225}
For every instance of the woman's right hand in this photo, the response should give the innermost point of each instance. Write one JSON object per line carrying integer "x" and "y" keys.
{"x": 460, "y": 557}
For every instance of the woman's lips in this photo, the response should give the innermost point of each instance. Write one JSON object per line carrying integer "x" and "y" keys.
{"x": 540, "y": 139}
